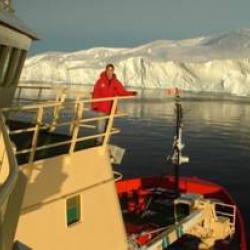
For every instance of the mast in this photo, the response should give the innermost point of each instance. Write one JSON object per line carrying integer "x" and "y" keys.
{"x": 176, "y": 157}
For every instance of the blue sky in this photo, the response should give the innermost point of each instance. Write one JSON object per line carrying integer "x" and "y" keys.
{"x": 69, "y": 25}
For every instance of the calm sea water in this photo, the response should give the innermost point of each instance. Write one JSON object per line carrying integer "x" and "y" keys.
{"x": 216, "y": 136}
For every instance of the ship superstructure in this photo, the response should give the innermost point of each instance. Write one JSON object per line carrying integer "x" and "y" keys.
{"x": 58, "y": 188}
{"x": 15, "y": 40}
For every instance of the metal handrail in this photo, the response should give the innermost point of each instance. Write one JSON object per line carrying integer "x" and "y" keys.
{"x": 75, "y": 123}
{"x": 231, "y": 215}
{"x": 52, "y": 104}
{"x": 117, "y": 176}
{"x": 58, "y": 144}
{"x": 40, "y": 89}
{"x": 8, "y": 185}
{"x": 61, "y": 124}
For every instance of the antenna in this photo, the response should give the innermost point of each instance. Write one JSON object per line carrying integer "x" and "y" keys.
{"x": 176, "y": 156}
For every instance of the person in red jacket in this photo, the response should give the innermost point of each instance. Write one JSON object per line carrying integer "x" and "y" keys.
{"x": 107, "y": 86}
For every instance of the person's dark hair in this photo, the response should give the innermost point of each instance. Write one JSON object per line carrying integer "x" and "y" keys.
{"x": 110, "y": 65}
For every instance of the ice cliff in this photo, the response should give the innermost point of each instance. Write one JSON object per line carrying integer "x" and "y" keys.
{"x": 218, "y": 63}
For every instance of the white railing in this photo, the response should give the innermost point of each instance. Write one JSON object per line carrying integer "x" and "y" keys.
{"x": 76, "y": 108}
{"x": 35, "y": 96}
{"x": 41, "y": 92}
{"x": 226, "y": 210}
{"x": 8, "y": 166}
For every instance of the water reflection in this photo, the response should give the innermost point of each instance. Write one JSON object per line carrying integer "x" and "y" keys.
{"x": 216, "y": 134}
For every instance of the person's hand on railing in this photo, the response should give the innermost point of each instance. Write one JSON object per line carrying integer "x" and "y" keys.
{"x": 134, "y": 93}
{"x": 174, "y": 91}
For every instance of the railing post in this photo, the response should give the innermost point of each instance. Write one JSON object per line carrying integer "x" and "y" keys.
{"x": 234, "y": 215}
{"x": 5, "y": 168}
{"x": 2, "y": 154}
{"x": 39, "y": 95}
{"x": 110, "y": 122}
{"x": 39, "y": 120}
{"x": 2, "y": 148}
{"x": 56, "y": 113}
{"x": 76, "y": 126}
{"x": 72, "y": 125}
{"x": 19, "y": 95}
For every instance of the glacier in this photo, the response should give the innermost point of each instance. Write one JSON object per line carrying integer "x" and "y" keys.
{"x": 218, "y": 63}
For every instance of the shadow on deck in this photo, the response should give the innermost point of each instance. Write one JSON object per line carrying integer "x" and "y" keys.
{"x": 24, "y": 140}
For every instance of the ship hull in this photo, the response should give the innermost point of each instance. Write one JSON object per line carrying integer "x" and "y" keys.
{"x": 186, "y": 185}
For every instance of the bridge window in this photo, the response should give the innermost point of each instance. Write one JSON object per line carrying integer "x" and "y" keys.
{"x": 15, "y": 57}
{"x": 13, "y": 65}
{"x": 181, "y": 211}
{"x": 19, "y": 66}
{"x": 73, "y": 207}
{"x": 5, "y": 54}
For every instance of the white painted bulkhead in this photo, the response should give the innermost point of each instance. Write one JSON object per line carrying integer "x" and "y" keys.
{"x": 12, "y": 55}
{"x": 42, "y": 224}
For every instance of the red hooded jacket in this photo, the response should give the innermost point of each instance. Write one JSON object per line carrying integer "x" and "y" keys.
{"x": 107, "y": 88}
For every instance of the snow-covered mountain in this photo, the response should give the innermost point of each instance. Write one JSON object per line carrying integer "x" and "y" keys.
{"x": 218, "y": 63}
